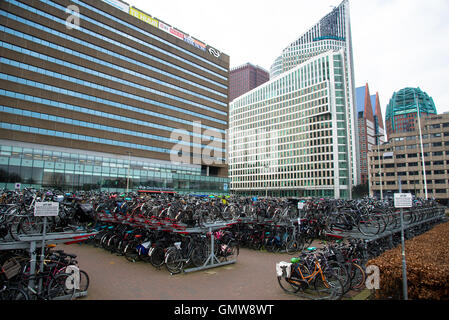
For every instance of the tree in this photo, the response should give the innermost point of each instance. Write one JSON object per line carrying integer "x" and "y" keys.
{"x": 360, "y": 191}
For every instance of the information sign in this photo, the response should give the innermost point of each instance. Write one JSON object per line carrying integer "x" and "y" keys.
{"x": 46, "y": 209}
{"x": 403, "y": 200}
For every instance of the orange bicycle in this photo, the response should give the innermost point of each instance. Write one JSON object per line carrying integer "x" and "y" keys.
{"x": 322, "y": 283}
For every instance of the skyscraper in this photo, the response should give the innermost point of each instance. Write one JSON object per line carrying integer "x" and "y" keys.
{"x": 296, "y": 135}
{"x": 370, "y": 126}
{"x": 402, "y": 110}
{"x": 245, "y": 78}
{"x": 96, "y": 94}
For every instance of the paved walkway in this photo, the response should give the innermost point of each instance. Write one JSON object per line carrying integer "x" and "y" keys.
{"x": 112, "y": 277}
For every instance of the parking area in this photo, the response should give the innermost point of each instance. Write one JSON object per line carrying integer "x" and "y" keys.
{"x": 112, "y": 277}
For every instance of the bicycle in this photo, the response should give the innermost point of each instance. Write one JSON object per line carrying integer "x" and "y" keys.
{"x": 191, "y": 249}
{"x": 324, "y": 283}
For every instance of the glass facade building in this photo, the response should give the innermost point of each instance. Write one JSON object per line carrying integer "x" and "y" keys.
{"x": 402, "y": 110}
{"x": 289, "y": 137}
{"x": 92, "y": 89}
{"x": 296, "y": 135}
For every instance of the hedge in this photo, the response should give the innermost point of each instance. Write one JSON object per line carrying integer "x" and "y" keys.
{"x": 427, "y": 259}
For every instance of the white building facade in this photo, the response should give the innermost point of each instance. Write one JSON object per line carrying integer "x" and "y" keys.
{"x": 296, "y": 135}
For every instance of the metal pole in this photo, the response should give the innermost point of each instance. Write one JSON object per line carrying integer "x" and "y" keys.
{"x": 129, "y": 165}
{"x": 422, "y": 148}
{"x": 380, "y": 169}
{"x": 42, "y": 253}
{"x": 404, "y": 264}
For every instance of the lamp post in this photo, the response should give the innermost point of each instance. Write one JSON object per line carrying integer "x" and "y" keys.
{"x": 418, "y": 111}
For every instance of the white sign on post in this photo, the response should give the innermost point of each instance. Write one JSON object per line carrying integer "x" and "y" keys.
{"x": 46, "y": 209}
{"x": 403, "y": 200}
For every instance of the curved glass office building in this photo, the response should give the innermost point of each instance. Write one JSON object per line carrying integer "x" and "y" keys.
{"x": 402, "y": 110}
{"x": 101, "y": 95}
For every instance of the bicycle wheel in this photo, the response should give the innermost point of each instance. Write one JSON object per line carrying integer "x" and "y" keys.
{"x": 157, "y": 257}
{"x": 61, "y": 287}
{"x": 199, "y": 255}
{"x": 13, "y": 294}
{"x": 368, "y": 225}
{"x": 357, "y": 275}
{"x": 84, "y": 281}
{"x": 328, "y": 286}
{"x": 31, "y": 225}
{"x": 341, "y": 271}
{"x": 290, "y": 285}
{"x": 230, "y": 252}
{"x": 294, "y": 246}
{"x": 295, "y": 283}
{"x": 174, "y": 261}
{"x": 131, "y": 253}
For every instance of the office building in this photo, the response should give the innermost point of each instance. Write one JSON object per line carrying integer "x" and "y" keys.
{"x": 402, "y": 109}
{"x": 370, "y": 125}
{"x": 419, "y": 163}
{"x": 245, "y": 78}
{"x": 101, "y": 95}
{"x": 295, "y": 135}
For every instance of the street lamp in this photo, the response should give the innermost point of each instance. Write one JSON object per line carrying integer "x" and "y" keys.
{"x": 418, "y": 111}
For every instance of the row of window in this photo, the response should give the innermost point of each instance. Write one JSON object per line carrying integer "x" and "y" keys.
{"x": 67, "y": 135}
{"x": 260, "y": 107}
{"x": 99, "y": 36}
{"x": 285, "y": 183}
{"x": 89, "y": 98}
{"x": 424, "y": 136}
{"x": 70, "y": 107}
{"x": 46, "y": 72}
{"x": 111, "y": 17}
{"x": 38, "y": 167}
{"x": 411, "y": 173}
{"x": 311, "y": 74}
{"x": 101, "y": 49}
{"x": 20, "y": 156}
{"x": 86, "y": 124}
{"x": 70, "y": 181}
{"x": 107, "y": 76}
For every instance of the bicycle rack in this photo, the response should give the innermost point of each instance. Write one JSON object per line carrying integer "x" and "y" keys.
{"x": 165, "y": 225}
{"x": 387, "y": 233}
{"x": 35, "y": 241}
{"x": 212, "y": 261}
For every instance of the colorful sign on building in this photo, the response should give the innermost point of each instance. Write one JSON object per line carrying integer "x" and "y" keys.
{"x": 144, "y": 17}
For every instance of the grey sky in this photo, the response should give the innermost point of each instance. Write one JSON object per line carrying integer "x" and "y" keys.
{"x": 396, "y": 43}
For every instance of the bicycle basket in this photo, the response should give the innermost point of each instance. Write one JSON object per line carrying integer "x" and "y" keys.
{"x": 11, "y": 268}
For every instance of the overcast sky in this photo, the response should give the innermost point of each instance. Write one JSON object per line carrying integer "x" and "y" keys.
{"x": 396, "y": 43}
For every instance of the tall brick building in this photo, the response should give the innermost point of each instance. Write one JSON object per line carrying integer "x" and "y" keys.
{"x": 244, "y": 78}
{"x": 370, "y": 125}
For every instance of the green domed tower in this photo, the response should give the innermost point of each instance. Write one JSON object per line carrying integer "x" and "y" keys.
{"x": 403, "y": 109}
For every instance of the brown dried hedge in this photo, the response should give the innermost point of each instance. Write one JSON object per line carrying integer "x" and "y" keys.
{"x": 427, "y": 260}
